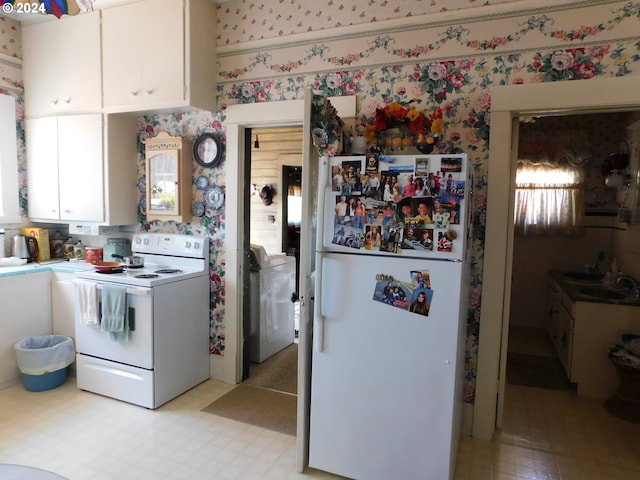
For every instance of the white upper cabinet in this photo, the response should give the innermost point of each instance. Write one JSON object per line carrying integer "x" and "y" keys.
{"x": 159, "y": 55}
{"x": 82, "y": 168}
{"x": 65, "y": 167}
{"x": 62, "y": 65}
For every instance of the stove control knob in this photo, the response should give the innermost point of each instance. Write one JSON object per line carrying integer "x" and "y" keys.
{"x": 187, "y": 244}
{"x": 196, "y": 245}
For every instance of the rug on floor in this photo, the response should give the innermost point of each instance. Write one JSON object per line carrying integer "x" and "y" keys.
{"x": 24, "y": 472}
{"x": 536, "y": 371}
{"x": 279, "y": 372}
{"x": 258, "y": 406}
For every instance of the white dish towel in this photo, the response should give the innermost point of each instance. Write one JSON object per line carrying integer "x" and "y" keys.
{"x": 86, "y": 303}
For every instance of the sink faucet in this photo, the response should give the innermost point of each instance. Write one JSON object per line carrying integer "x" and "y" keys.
{"x": 634, "y": 287}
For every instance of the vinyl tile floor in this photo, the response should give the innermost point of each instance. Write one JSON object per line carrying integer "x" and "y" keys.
{"x": 547, "y": 435}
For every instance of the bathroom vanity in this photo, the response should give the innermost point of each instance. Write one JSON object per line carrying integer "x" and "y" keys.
{"x": 583, "y": 321}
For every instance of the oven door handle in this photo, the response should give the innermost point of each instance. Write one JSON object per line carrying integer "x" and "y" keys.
{"x": 129, "y": 290}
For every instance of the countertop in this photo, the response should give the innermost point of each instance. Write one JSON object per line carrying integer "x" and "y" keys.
{"x": 573, "y": 288}
{"x": 56, "y": 265}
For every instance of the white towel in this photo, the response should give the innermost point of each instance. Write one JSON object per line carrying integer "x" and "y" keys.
{"x": 86, "y": 303}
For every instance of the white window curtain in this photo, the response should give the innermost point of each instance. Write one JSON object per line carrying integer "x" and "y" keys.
{"x": 549, "y": 200}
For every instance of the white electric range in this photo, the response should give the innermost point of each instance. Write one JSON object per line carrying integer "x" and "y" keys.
{"x": 168, "y": 299}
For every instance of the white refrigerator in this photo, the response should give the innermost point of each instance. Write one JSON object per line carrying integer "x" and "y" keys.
{"x": 389, "y": 316}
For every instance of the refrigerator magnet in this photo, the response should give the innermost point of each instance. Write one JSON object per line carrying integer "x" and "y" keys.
{"x": 421, "y": 301}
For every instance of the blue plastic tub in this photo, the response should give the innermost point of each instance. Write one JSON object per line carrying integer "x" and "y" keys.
{"x": 46, "y": 381}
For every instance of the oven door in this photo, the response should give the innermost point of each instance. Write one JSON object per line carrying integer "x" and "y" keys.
{"x": 138, "y": 350}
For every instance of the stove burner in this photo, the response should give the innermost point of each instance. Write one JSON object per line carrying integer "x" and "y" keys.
{"x": 146, "y": 275}
{"x": 168, "y": 270}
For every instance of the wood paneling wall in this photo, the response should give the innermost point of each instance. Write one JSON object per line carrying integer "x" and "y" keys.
{"x": 278, "y": 147}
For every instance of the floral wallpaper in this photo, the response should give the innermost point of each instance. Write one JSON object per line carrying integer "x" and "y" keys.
{"x": 212, "y": 221}
{"x": 246, "y": 20}
{"x": 452, "y": 64}
{"x": 10, "y": 43}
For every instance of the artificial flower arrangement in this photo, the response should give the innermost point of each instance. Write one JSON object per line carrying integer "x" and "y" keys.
{"x": 413, "y": 127}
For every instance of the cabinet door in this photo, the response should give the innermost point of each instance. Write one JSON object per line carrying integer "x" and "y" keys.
{"x": 122, "y": 36}
{"x": 564, "y": 342}
{"x": 163, "y": 67}
{"x": 41, "y": 138}
{"x": 80, "y": 173}
{"x": 62, "y": 308}
{"x": 62, "y": 65}
{"x": 141, "y": 78}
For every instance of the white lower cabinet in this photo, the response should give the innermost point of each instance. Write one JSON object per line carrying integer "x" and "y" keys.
{"x": 62, "y": 309}
{"x": 582, "y": 333}
{"x": 26, "y": 312}
{"x": 560, "y": 325}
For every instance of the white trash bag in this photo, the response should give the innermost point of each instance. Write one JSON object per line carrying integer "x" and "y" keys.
{"x": 44, "y": 354}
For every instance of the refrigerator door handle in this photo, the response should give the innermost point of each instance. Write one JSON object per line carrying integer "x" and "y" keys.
{"x": 323, "y": 177}
{"x": 318, "y": 317}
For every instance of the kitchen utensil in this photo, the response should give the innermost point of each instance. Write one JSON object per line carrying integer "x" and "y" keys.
{"x": 93, "y": 254}
{"x": 131, "y": 261}
{"x": 118, "y": 246}
{"x": 24, "y": 246}
{"x": 107, "y": 267}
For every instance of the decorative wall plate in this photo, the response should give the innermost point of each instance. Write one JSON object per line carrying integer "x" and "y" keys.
{"x": 207, "y": 150}
{"x": 202, "y": 182}
{"x": 214, "y": 197}
{"x": 197, "y": 209}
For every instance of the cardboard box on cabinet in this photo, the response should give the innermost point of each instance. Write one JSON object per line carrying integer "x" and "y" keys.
{"x": 42, "y": 237}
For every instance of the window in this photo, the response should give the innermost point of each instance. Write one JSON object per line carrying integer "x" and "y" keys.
{"x": 549, "y": 200}
{"x": 9, "y": 204}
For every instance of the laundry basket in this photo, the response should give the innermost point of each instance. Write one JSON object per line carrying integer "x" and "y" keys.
{"x": 43, "y": 361}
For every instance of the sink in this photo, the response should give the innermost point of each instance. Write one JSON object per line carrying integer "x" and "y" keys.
{"x": 602, "y": 293}
{"x": 582, "y": 276}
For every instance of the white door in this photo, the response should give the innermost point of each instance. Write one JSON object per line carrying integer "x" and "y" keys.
{"x": 138, "y": 350}
{"x": 310, "y": 165}
{"x": 386, "y": 382}
{"x": 122, "y": 65}
{"x": 163, "y": 67}
{"x": 80, "y": 167}
{"x": 41, "y": 135}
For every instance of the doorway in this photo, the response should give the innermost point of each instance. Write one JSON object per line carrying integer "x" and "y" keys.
{"x": 272, "y": 226}
{"x": 562, "y": 141}
{"x": 508, "y": 104}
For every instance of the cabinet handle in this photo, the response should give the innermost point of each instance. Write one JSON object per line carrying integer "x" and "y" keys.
{"x": 134, "y": 93}
{"x": 149, "y": 91}
{"x": 67, "y": 100}
{"x": 54, "y": 101}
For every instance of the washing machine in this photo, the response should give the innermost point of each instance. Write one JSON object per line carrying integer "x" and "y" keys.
{"x": 272, "y": 284}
